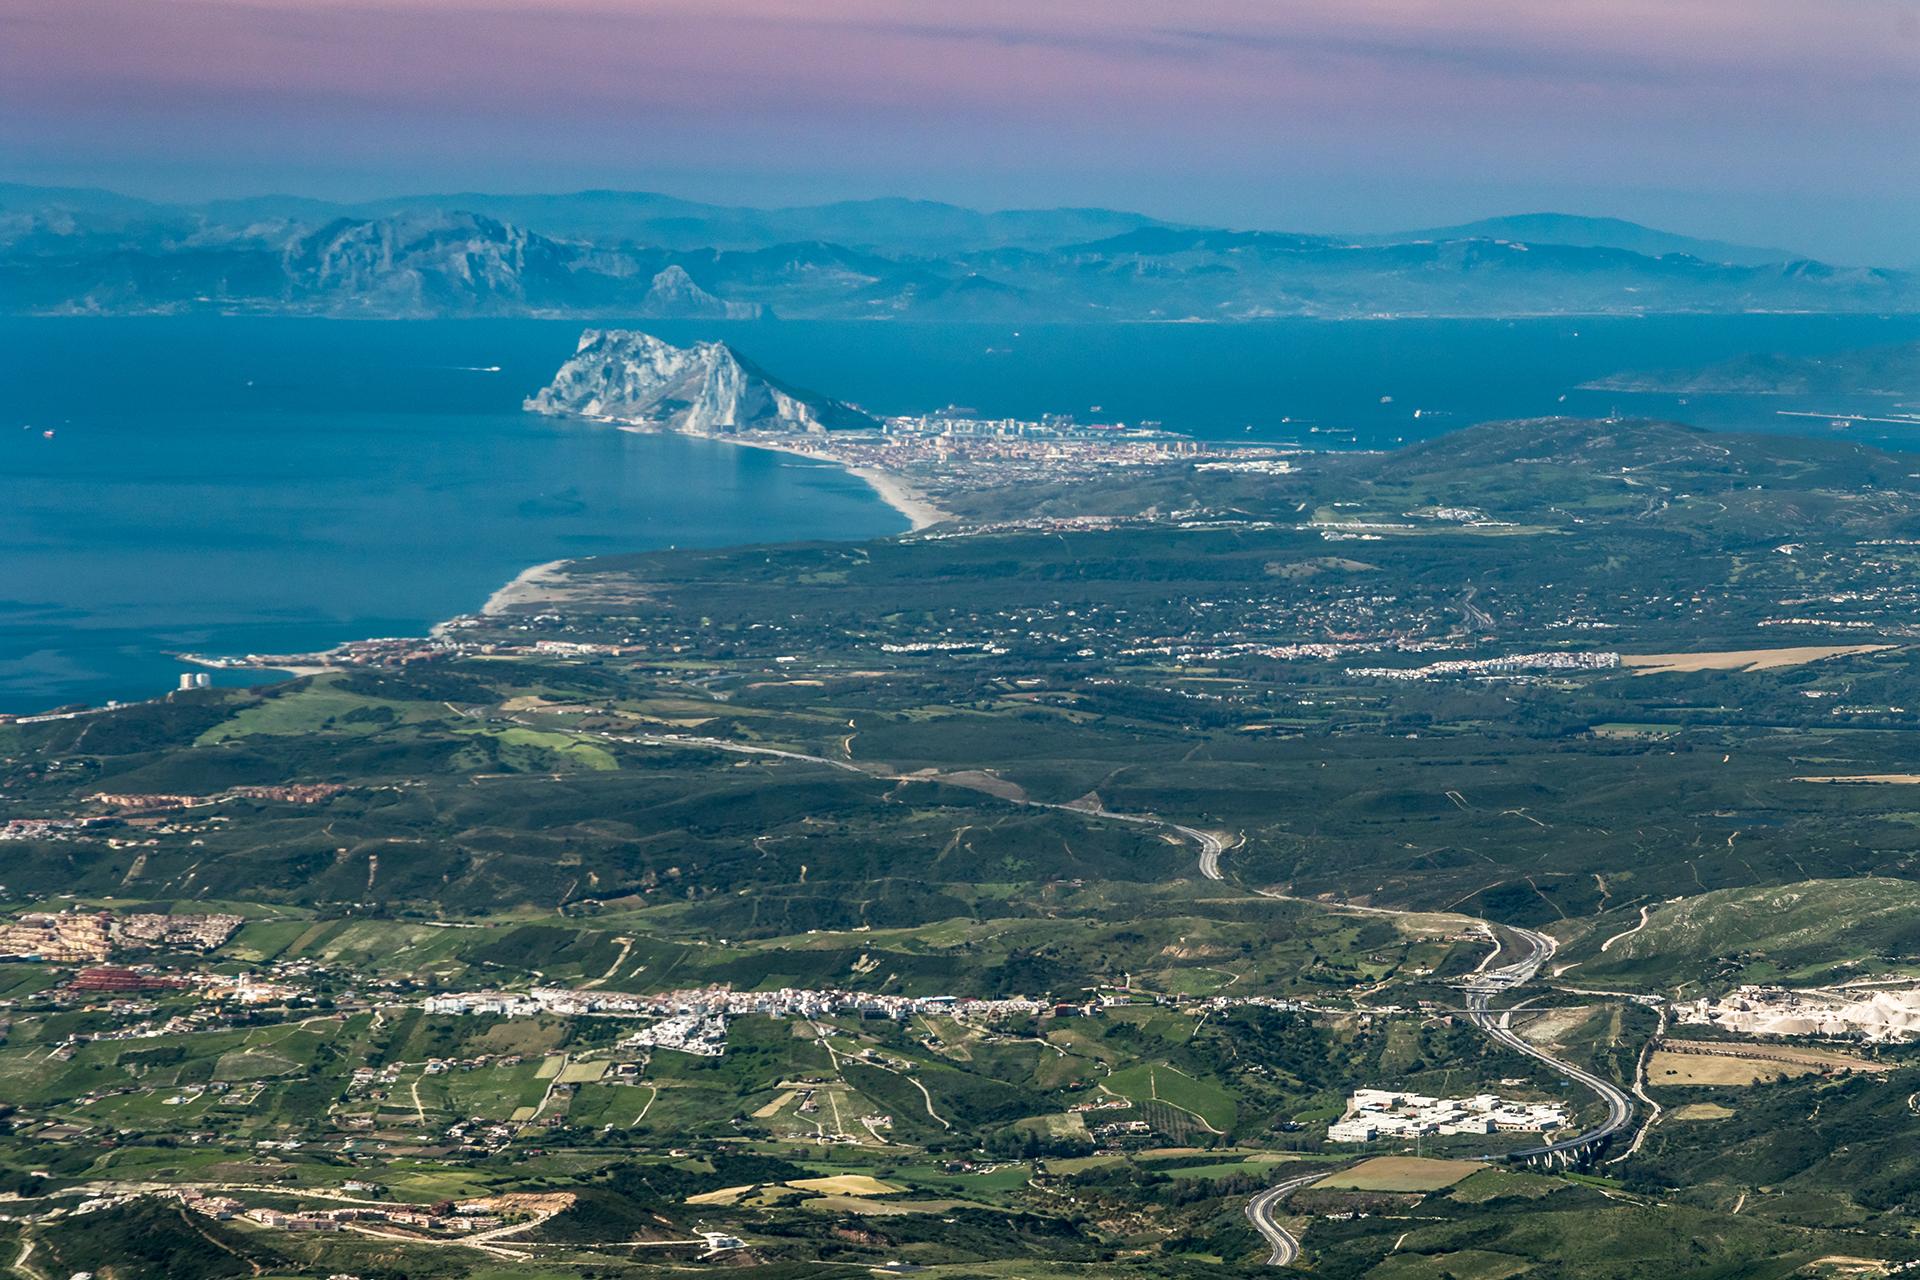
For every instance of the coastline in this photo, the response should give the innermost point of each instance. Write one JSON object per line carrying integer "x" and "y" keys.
{"x": 535, "y": 583}
{"x": 538, "y": 582}
{"x": 895, "y": 492}
{"x": 902, "y": 497}
{"x": 525, "y": 588}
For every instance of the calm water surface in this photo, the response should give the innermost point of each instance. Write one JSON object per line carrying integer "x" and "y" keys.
{"x": 236, "y": 485}
{"x": 279, "y": 486}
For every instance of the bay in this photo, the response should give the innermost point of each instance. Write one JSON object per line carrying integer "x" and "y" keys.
{"x": 240, "y": 486}
{"x": 244, "y": 484}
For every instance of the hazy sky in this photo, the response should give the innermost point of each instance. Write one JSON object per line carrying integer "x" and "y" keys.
{"x": 1792, "y": 122}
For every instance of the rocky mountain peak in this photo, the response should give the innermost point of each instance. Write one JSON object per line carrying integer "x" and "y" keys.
{"x": 706, "y": 388}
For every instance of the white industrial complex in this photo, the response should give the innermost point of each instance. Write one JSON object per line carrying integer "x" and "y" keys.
{"x": 1386, "y": 1113}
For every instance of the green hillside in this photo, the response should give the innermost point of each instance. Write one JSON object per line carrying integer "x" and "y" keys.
{"x": 1806, "y": 932}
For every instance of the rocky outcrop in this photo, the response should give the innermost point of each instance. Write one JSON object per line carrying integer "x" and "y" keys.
{"x": 421, "y": 265}
{"x": 707, "y": 388}
{"x": 674, "y": 296}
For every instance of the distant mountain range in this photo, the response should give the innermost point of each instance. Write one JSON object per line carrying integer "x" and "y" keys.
{"x": 892, "y": 226}
{"x": 1595, "y": 233}
{"x": 609, "y": 254}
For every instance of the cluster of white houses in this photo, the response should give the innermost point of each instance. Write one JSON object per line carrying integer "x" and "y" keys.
{"x": 712, "y": 1002}
{"x": 1507, "y": 664}
{"x": 702, "y": 1035}
{"x": 723, "y": 1002}
{"x": 1386, "y": 1113}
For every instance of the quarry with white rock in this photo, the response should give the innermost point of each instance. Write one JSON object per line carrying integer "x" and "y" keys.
{"x": 1878, "y": 1017}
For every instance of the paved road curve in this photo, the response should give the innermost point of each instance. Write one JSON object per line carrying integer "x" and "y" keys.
{"x": 1210, "y": 843}
{"x": 1260, "y": 1212}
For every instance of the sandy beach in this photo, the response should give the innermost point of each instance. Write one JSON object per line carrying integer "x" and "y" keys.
{"x": 528, "y": 586}
{"x": 294, "y": 670}
{"x": 901, "y": 496}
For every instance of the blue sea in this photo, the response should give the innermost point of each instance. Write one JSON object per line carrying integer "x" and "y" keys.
{"x": 236, "y": 485}
{"x": 279, "y": 486}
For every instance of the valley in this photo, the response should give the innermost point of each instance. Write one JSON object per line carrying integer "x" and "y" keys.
{"x": 1011, "y": 868}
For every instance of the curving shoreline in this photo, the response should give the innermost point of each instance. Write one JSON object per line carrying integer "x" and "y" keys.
{"x": 526, "y": 587}
{"x": 895, "y": 492}
{"x": 902, "y": 497}
{"x": 545, "y": 581}
{"x": 536, "y": 582}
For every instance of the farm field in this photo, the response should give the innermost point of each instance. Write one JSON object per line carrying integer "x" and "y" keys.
{"x": 1743, "y": 659}
{"x": 1678, "y": 1070}
{"x": 1695, "y": 1062}
{"x": 1400, "y": 1173}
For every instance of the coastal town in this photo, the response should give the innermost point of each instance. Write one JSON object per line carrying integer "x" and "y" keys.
{"x": 915, "y": 463}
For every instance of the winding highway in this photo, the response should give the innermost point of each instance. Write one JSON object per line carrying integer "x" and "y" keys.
{"x": 1211, "y": 844}
{"x": 1480, "y": 987}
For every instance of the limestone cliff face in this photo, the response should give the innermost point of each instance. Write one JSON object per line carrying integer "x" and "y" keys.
{"x": 705, "y": 388}
{"x": 419, "y": 266}
{"x": 674, "y": 295}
